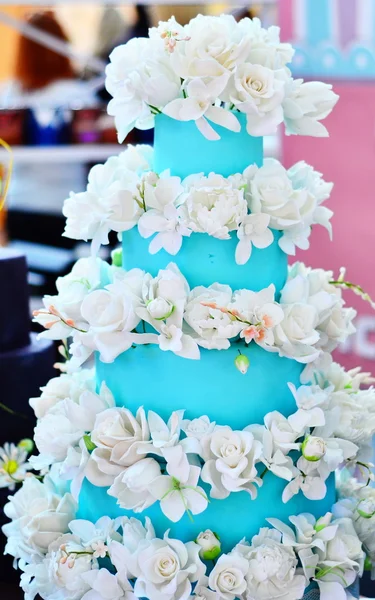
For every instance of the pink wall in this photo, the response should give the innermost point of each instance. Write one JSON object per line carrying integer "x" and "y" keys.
{"x": 348, "y": 159}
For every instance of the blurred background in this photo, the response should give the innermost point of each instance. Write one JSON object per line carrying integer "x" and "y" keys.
{"x": 53, "y": 114}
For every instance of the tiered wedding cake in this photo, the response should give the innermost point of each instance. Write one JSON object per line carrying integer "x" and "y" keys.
{"x": 198, "y": 459}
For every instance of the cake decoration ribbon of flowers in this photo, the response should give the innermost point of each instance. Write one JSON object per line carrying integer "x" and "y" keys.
{"x": 125, "y": 193}
{"x": 208, "y": 72}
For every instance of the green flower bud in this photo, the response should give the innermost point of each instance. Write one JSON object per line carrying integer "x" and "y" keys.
{"x": 242, "y": 363}
{"x": 27, "y": 445}
{"x": 210, "y": 546}
{"x": 366, "y": 508}
{"x": 313, "y": 448}
{"x": 116, "y": 256}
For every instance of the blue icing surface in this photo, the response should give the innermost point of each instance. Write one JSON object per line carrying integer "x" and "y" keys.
{"x": 233, "y": 518}
{"x": 163, "y": 382}
{"x": 180, "y": 147}
{"x": 204, "y": 260}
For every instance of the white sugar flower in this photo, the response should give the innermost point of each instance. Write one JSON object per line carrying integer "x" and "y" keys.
{"x": 60, "y": 575}
{"x": 38, "y": 517}
{"x": 209, "y": 46}
{"x": 120, "y": 439}
{"x": 337, "y": 327}
{"x": 161, "y": 216}
{"x": 228, "y": 577}
{"x": 67, "y": 422}
{"x": 230, "y": 458}
{"x": 272, "y": 568}
{"x": 295, "y": 237}
{"x": 111, "y": 317}
{"x": 283, "y": 434}
{"x": 198, "y": 427}
{"x": 266, "y": 48}
{"x": 305, "y": 105}
{"x": 139, "y": 76}
{"x": 253, "y": 230}
{"x": 344, "y": 557}
{"x": 109, "y": 203}
{"x": 65, "y": 386}
{"x": 213, "y": 326}
{"x": 139, "y": 158}
{"x": 164, "y": 297}
{"x": 296, "y": 335}
{"x": 259, "y": 92}
{"x": 106, "y": 586}
{"x": 308, "y": 531}
{"x": 271, "y": 191}
{"x": 199, "y": 106}
{"x": 213, "y": 205}
{"x": 303, "y": 176}
{"x": 202, "y": 592}
{"x": 272, "y": 456}
{"x": 166, "y": 569}
{"x": 258, "y": 313}
{"x": 13, "y": 465}
{"x": 311, "y": 401}
{"x": 133, "y": 486}
{"x": 178, "y": 495}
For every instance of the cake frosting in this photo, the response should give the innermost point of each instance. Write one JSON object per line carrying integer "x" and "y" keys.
{"x": 198, "y": 458}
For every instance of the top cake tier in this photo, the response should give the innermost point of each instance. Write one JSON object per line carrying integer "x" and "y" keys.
{"x": 181, "y": 149}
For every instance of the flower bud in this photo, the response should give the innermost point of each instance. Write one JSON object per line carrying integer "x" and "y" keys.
{"x": 27, "y": 445}
{"x": 323, "y": 522}
{"x": 160, "y": 309}
{"x": 242, "y": 363}
{"x": 89, "y": 443}
{"x": 313, "y": 448}
{"x": 116, "y": 256}
{"x": 366, "y": 508}
{"x": 210, "y": 545}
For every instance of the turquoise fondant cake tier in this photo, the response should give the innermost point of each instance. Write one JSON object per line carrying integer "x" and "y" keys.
{"x": 163, "y": 382}
{"x": 204, "y": 260}
{"x": 182, "y": 149}
{"x": 234, "y": 518}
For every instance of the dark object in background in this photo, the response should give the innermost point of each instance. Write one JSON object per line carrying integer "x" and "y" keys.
{"x": 11, "y": 126}
{"x": 25, "y": 363}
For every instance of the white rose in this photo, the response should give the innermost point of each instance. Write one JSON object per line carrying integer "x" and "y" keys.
{"x": 111, "y": 316}
{"x": 139, "y": 75}
{"x": 204, "y": 315}
{"x": 56, "y": 433}
{"x": 266, "y": 48}
{"x": 166, "y": 569}
{"x": 230, "y": 459}
{"x": 271, "y": 192}
{"x": 210, "y": 545}
{"x": 197, "y": 428}
{"x": 39, "y": 516}
{"x": 74, "y": 287}
{"x": 305, "y": 105}
{"x": 272, "y": 568}
{"x": 213, "y": 205}
{"x": 208, "y": 47}
{"x": 313, "y": 448}
{"x": 228, "y": 576}
{"x": 121, "y": 439}
{"x": 337, "y": 327}
{"x": 258, "y": 92}
{"x": 139, "y": 158}
{"x": 131, "y": 487}
{"x": 283, "y": 435}
{"x": 296, "y": 335}
{"x": 59, "y": 388}
{"x": 303, "y": 176}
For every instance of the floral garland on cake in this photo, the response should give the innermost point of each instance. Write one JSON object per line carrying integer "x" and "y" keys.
{"x": 125, "y": 192}
{"x": 137, "y": 308}
{"x": 124, "y": 559}
{"x": 209, "y": 71}
{"x": 143, "y": 460}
